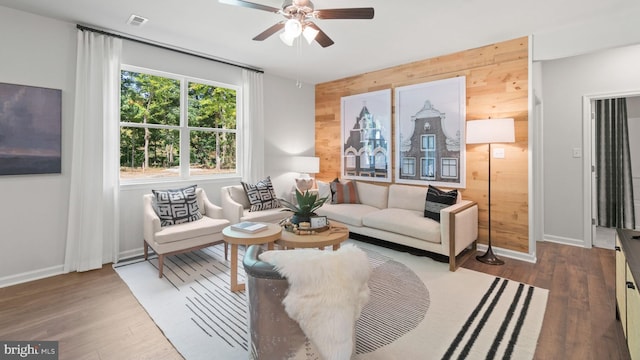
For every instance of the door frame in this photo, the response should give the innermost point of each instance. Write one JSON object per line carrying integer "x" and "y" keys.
{"x": 588, "y": 167}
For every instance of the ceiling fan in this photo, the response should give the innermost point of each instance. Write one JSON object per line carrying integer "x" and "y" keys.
{"x": 298, "y": 15}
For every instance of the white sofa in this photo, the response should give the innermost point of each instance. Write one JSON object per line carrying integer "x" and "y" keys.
{"x": 395, "y": 213}
{"x": 235, "y": 207}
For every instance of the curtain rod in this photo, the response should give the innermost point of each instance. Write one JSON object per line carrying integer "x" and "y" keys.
{"x": 167, "y": 47}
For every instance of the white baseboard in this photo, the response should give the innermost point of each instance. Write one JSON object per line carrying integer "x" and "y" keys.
{"x": 31, "y": 276}
{"x": 55, "y": 270}
{"x": 129, "y": 254}
{"x": 516, "y": 255}
{"x": 564, "y": 240}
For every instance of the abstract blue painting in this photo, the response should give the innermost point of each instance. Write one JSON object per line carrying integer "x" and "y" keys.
{"x": 30, "y": 130}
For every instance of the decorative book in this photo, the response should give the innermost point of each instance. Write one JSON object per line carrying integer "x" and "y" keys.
{"x": 248, "y": 227}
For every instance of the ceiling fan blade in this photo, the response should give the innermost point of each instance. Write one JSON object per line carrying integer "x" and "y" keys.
{"x": 350, "y": 13}
{"x": 321, "y": 38}
{"x": 250, "y": 5}
{"x": 270, "y": 31}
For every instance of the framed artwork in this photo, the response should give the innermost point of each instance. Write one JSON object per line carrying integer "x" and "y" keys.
{"x": 366, "y": 136}
{"x": 30, "y": 130}
{"x": 429, "y": 128}
{"x": 318, "y": 222}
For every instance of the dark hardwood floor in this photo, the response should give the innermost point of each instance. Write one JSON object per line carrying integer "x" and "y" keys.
{"x": 94, "y": 315}
{"x": 580, "y": 321}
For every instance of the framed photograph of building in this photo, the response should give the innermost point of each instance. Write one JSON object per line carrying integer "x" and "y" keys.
{"x": 366, "y": 136}
{"x": 429, "y": 129}
{"x": 30, "y": 130}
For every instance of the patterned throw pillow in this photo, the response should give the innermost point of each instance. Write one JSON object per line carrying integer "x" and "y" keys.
{"x": 261, "y": 195}
{"x": 437, "y": 200}
{"x": 176, "y": 206}
{"x": 344, "y": 192}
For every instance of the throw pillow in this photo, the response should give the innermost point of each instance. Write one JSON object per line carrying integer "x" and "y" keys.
{"x": 261, "y": 196}
{"x": 176, "y": 206}
{"x": 344, "y": 192}
{"x": 437, "y": 200}
{"x": 324, "y": 190}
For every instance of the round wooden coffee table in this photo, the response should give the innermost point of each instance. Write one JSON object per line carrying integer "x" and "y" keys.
{"x": 336, "y": 234}
{"x": 235, "y": 238}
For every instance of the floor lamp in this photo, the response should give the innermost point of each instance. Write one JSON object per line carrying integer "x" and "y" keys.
{"x": 490, "y": 131}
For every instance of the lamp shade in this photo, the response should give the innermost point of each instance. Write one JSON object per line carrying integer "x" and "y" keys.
{"x": 490, "y": 131}
{"x": 309, "y": 34}
{"x": 306, "y": 164}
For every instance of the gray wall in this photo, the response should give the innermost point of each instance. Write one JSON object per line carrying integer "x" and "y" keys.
{"x": 633, "y": 112}
{"x": 564, "y": 83}
{"x": 33, "y": 218}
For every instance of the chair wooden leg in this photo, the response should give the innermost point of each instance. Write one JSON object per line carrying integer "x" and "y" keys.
{"x": 160, "y": 264}
{"x": 146, "y": 250}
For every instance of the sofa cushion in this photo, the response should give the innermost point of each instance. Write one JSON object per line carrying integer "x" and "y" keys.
{"x": 190, "y": 230}
{"x": 344, "y": 192}
{"x": 261, "y": 196}
{"x": 176, "y": 206}
{"x": 324, "y": 190}
{"x": 373, "y": 195}
{"x": 407, "y": 197}
{"x": 404, "y": 222}
{"x": 269, "y": 215}
{"x": 437, "y": 200}
{"x": 350, "y": 214}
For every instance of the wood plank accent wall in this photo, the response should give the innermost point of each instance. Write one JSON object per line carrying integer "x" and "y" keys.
{"x": 496, "y": 87}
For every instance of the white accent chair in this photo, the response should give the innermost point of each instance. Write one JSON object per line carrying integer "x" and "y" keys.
{"x": 180, "y": 238}
{"x": 235, "y": 206}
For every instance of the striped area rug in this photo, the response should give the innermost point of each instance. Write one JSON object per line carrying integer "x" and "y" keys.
{"x": 417, "y": 310}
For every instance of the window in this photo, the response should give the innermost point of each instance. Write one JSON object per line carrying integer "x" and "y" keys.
{"x": 381, "y": 160}
{"x": 428, "y": 142}
{"x": 172, "y": 126}
{"x": 408, "y": 167}
{"x": 450, "y": 168}
{"x": 428, "y": 168}
{"x": 350, "y": 159}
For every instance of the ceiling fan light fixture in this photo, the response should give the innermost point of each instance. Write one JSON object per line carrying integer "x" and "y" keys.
{"x": 310, "y": 34}
{"x": 288, "y": 40}
{"x": 293, "y": 28}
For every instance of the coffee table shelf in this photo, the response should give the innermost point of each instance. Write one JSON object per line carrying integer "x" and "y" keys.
{"x": 334, "y": 236}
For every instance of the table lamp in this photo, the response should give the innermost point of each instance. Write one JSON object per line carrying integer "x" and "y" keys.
{"x": 305, "y": 165}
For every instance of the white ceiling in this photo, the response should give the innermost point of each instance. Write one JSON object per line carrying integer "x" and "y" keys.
{"x": 402, "y": 31}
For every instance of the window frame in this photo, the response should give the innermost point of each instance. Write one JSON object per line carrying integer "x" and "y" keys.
{"x": 184, "y": 128}
{"x": 450, "y": 163}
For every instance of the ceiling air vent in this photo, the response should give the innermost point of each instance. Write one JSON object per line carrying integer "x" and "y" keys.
{"x": 136, "y": 20}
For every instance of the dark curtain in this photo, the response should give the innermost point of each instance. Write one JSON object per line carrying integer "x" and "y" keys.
{"x": 613, "y": 165}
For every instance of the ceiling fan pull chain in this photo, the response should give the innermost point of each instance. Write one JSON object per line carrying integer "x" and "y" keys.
{"x": 299, "y": 55}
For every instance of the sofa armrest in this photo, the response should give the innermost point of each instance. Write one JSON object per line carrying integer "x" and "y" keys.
{"x": 212, "y": 210}
{"x": 151, "y": 220}
{"x": 458, "y": 228}
{"x": 231, "y": 209}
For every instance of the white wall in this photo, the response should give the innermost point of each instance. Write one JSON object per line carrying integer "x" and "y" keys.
{"x": 633, "y": 113}
{"x": 565, "y": 82}
{"x": 33, "y": 218}
{"x": 291, "y": 130}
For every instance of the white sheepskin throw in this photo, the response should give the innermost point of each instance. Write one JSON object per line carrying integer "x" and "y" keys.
{"x": 327, "y": 290}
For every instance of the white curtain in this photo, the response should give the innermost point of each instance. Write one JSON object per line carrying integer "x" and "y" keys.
{"x": 252, "y": 165}
{"x": 93, "y": 229}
